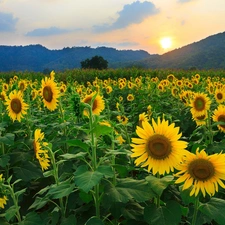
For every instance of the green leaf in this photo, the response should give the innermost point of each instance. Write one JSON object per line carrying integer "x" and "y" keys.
{"x": 78, "y": 143}
{"x": 102, "y": 130}
{"x": 69, "y": 156}
{"x": 4, "y": 160}
{"x": 94, "y": 221}
{"x": 159, "y": 184}
{"x": 163, "y": 215}
{"x": 85, "y": 179}
{"x": 10, "y": 213}
{"x": 127, "y": 189}
{"x": 214, "y": 209}
{"x": 8, "y": 139}
{"x": 106, "y": 171}
{"x": 62, "y": 190}
{"x": 27, "y": 171}
{"x": 86, "y": 197}
{"x": 20, "y": 192}
{"x": 32, "y": 218}
{"x": 39, "y": 202}
{"x": 71, "y": 220}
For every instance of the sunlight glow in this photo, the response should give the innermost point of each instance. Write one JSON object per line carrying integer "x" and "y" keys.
{"x": 166, "y": 42}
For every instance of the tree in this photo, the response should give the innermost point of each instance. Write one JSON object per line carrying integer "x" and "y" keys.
{"x": 96, "y": 62}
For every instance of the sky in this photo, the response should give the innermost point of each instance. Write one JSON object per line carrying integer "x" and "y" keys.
{"x": 120, "y": 24}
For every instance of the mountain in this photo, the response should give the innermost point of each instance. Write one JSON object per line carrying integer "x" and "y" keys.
{"x": 39, "y": 58}
{"x": 208, "y": 53}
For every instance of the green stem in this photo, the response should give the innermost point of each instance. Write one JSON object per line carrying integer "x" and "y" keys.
{"x": 94, "y": 163}
{"x": 56, "y": 177}
{"x": 196, "y": 204}
{"x": 158, "y": 197}
{"x": 210, "y": 134}
{"x": 15, "y": 201}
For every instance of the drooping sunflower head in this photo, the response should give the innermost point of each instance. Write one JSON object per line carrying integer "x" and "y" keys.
{"x": 200, "y": 120}
{"x": 50, "y": 93}
{"x": 16, "y": 106}
{"x": 202, "y": 172}
{"x": 219, "y": 116}
{"x": 41, "y": 153}
{"x": 200, "y": 104}
{"x": 158, "y": 146}
{"x": 97, "y": 103}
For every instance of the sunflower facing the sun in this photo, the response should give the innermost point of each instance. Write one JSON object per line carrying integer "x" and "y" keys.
{"x": 202, "y": 172}
{"x": 16, "y": 106}
{"x": 158, "y": 146}
{"x": 50, "y": 93}
{"x": 200, "y": 104}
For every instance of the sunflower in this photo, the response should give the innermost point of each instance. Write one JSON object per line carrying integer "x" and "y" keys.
{"x": 202, "y": 172}
{"x": 16, "y": 107}
{"x": 158, "y": 146}
{"x": 50, "y": 93}
{"x": 108, "y": 89}
{"x": 200, "y": 104}
{"x": 219, "y": 95}
{"x": 97, "y": 103}
{"x": 22, "y": 85}
{"x": 219, "y": 116}
{"x": 201, "y": 120}
{"x": 3, "y": 200}
{"x": 142, "y": 117}
{"x": 122, "y": 119}
{"x": 41, "y": 153}
{"x": 130, "y": 97}
{"x": 3, "y": 96}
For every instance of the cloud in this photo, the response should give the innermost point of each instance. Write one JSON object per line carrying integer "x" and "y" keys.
{"x": 133, "y": 13}
{"x": 46, "y": 32}
{"x": 183, "y": 1}
{"x": 7, "y": 22}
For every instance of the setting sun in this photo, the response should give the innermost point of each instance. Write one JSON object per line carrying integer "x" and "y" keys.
{"x": 166, "y": 42}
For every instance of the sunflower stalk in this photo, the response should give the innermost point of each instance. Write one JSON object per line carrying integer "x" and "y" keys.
{"x": 196, "y": 205}
{"x": 56, "y": 177}
{"x": 15, "y": 201}
{"x": 94, "y": 160}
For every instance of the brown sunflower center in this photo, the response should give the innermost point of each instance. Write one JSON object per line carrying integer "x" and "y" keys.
{"x": 16, "y": 105}
{"x": 202, "y": 117}
{"x": 201, "y": 169}
{"x": 219, "y": 96}
{"x": 199, "y": 104}
{"x": 221, "y": 118}
{"x": 47, "y": 93}
{"x": 158, "y": 146}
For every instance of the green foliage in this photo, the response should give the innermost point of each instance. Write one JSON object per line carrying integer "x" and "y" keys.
{"x": 96, "y": 62}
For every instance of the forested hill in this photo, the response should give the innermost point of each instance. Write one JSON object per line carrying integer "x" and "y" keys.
{"x": 39, "y": 58}
{"x": 208, "y": 53}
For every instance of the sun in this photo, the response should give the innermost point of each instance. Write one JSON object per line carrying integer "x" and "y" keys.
{"x": 166, "y": 42}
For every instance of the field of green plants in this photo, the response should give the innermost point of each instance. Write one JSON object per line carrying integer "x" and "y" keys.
{"x": 112, "y": 147}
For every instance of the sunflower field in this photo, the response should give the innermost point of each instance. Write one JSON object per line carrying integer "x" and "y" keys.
{"x": 112, "y": 147}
